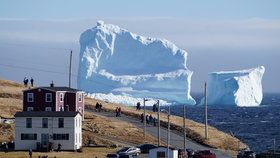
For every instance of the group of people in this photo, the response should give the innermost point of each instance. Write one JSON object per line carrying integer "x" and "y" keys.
{"x": 149, "y": 119}
{"x": 25, "y": 81}
{"x": 98, "y": 107}
{"x": 118, "y": 111}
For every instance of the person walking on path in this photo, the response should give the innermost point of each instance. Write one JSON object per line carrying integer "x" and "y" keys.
{"x": 30, "y": 153}
{"x": 138, "y": 106}
{"x": 31, "y": 81}
{"x": 142, "y": 117}
{"x": 117, "y": 111}
{"x": 151, "y": 119}
{"x": 147, "y": 119}
{"x": 25, "y": 81}
{"x": 155, "y": 121}
{"x": 154, "y": 108}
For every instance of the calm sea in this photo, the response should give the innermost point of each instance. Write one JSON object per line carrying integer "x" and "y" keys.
{"x": 256, "y": 126}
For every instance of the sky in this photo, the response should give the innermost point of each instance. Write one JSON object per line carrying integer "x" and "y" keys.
{"x": 36, "y": 36}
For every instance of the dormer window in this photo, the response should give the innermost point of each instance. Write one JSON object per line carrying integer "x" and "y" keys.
{"x": 61, "y": 96}
{"x": 48, "y": 97}
{"x": 30, "y": 97}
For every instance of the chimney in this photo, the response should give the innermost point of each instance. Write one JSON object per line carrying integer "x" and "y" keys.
{"x": 52, "y": 84}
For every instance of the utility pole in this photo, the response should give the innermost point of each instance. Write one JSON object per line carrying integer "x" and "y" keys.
{"x": 206, "y": 117}
{"x": 70, "y": 69}
{"x": 168, "y": 133}
{"x": 184, "y": 122}
{"x": 144, "y": 100}
{"x": 158, "y": 118}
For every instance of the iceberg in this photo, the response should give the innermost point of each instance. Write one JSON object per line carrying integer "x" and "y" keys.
{"x": 115, "y": 61}
{"x": 235, "y": 88}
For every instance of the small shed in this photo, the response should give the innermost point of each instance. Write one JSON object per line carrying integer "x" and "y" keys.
{"x": 161, "y": 152}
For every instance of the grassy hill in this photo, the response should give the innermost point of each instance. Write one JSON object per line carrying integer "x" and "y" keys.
{"x": 106, "y": 131}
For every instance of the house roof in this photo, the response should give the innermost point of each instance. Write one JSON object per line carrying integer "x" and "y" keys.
{"x": 55, "y": 89}
{"x": 46, "y": 114}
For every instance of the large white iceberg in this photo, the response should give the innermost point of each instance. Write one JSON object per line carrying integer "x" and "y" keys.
{"x": 235, "y": 88}
{"x": 114, "y": 60}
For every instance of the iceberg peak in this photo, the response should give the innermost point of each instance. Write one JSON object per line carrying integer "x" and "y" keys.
{"x": 119, "y": 58}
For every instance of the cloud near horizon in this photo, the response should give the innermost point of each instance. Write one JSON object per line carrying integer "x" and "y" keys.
{"x": 186, "y": 33}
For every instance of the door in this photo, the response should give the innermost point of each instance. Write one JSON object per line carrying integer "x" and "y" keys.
{"x": 44, "y": 140}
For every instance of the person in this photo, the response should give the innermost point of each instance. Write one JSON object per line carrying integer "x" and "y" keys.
{"x": 155, "y": 121}
{"x": 117, "y": 111}
{"x": 151, "y": 119}
{"x": 100, "y": 107}
{"x": 58, "y": 147}
{"x": 142, "y": 117}
{"x": 6, "y": 147}
{"x": 120, "y": 110}
{"x": 96, "y": 106}
{"x": 138, "y": 106}
{"x": 30, "y": 152}
{"x": 31, "y": 81}
{"x": 25, "y": 81}
{"x": 154, "y": 108}
{"x": 147, "y": 119}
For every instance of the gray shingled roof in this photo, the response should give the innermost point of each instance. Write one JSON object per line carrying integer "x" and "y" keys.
{"x": 60, "y": 89}
{"x": 46, "y": 114}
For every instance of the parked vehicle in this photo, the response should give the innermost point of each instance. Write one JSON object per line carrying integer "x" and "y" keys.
{"x": 204, "y": 154}
{"x": 246, "y": 154}
{"x": 129, "y": 151}
{"x": 119, "y": 156}
{"x": 112, "y": 156}
{"x": 190, "y": 153}
{"x": 146, "y": 147}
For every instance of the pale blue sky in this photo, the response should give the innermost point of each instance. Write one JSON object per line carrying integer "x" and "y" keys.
{"x": 80, "y": 9}
{"x": 217, "y": 34}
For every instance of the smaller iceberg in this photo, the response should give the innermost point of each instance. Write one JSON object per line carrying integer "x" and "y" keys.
{"x": 235, "y": 88}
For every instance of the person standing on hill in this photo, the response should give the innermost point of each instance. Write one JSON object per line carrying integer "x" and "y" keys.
{"x": 142, "y": 117}
{"x": 117, "y": 111}
{"x": 120, "y": 110}
{"x": 31, "y": 81}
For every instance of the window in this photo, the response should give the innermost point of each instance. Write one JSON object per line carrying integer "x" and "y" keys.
{"x": 61, "y": 136}
{"x": 161, "y": 154}
{"x": 60, "y": 122}
{"x": 28, "y": 122}
{"x": 48, "y": 97}
{"x": 48, "y": 109}
{"x": 61, "y": 97}
{"x": 44, "y": 122}
{"x": 80, "y": 97}
{"x": 28, "y": 136}
{"x": 30, "y": 97}
{"x": 29, "y": 108}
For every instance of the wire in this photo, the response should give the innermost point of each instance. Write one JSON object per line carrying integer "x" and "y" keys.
{"x": 32, "y": 46}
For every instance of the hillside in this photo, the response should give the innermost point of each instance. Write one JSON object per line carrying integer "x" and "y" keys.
{"x": 108, "y": 131}
{"x": 97, "y": 130}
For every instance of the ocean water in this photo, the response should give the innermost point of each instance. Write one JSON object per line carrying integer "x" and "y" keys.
{"x": 256, "y": 126}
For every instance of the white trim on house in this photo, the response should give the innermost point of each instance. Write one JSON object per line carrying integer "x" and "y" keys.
{"x": 61, "y": 97}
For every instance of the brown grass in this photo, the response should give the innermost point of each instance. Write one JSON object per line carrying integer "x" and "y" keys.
{"x": 11, "y": 101}
{"x": 195, "y": 131}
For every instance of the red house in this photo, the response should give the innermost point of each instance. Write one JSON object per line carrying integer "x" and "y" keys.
{"x": 53, "y": 99}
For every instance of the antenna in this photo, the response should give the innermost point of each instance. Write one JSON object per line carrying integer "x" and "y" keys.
{"x": 70, "y": 69}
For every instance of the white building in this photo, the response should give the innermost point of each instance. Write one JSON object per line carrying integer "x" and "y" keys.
{"x": 44, "y": 130}
{"x": 161, "y": 152}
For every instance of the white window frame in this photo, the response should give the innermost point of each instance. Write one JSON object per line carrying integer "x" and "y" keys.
{"x": 30, "y": 108}
{"x": 80, "y": 99}
{"x": 61, "y": 97}
{"x": 48, "y": 94}
{"x": 30, "y": 97}
{"x": 48, "y": 108}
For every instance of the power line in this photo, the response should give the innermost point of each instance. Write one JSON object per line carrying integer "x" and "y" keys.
{"x": 32, "y": 46}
